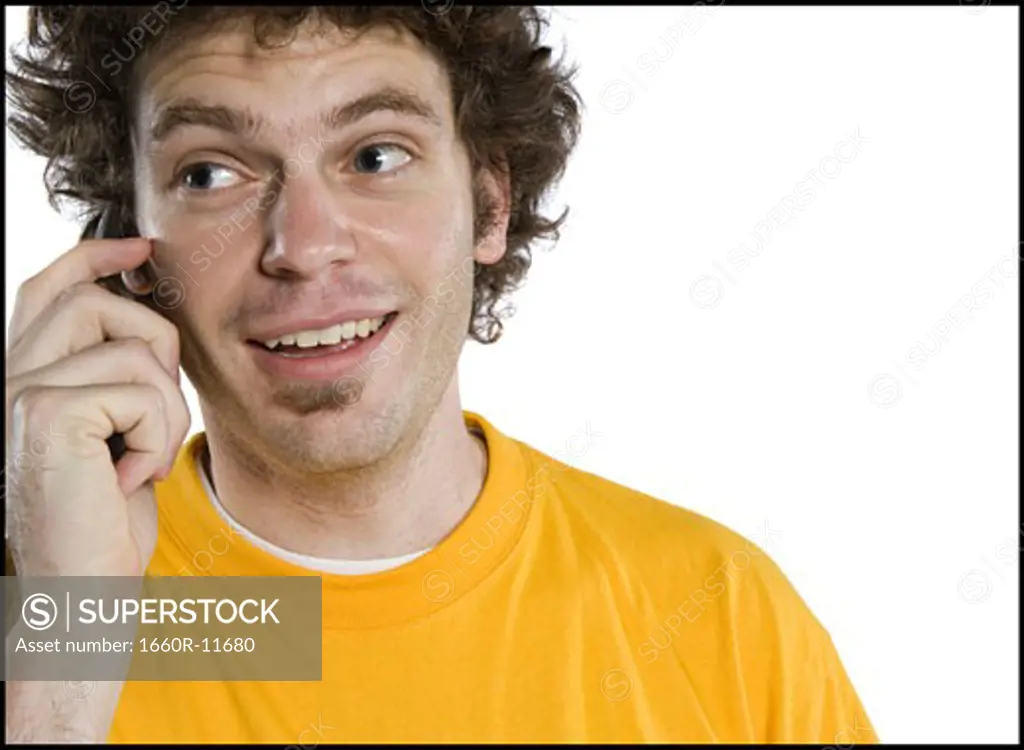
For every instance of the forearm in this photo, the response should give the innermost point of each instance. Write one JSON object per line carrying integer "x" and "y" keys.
{"x": 51, "y": 712}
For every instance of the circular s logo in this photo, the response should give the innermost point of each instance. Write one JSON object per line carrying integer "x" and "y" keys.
{"x": 616, "y": 685}
{"x": 347, "y": 391}
{"x": 706, "y": 292}
{"x": 884, "y": 391}
{"x": 168, "y": 293}
{"x": 39, "y": 611}
{"x": 79, "y": 97}
{"x": 616, "y": 96}
{"x": 78, "y": 690}
{"x": 974, "y": 587}
{"x": 438, "y": 586}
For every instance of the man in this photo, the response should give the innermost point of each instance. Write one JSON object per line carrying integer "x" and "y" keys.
{"x": 381, "y": 173}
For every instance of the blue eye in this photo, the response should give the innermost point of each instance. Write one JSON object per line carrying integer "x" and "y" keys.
{"x": 380, "y": 158}
{"x": 203, "y": 176}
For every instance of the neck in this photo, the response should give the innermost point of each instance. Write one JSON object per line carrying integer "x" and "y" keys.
{"x": 406, "y": 503}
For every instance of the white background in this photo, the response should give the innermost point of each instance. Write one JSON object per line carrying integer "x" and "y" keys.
{"x": 784, "y": 393}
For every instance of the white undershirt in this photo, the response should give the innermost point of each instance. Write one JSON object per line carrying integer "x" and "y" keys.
{"x": 325, "y": 565}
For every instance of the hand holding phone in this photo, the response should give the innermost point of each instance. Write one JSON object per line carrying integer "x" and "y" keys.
{"x": 85, "y": 364}
{"x": 108, "y": 225}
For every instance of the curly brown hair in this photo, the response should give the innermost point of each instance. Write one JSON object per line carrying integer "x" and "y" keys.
{"x": 516, "y": 108}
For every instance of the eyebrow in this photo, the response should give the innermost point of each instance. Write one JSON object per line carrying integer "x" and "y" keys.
{"x": 244, "y": 123}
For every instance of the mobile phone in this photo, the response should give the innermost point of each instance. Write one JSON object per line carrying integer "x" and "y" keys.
{"x": 110, "y": 224}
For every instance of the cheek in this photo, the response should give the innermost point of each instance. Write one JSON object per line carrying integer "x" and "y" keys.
{"x": 424, "y": 239}
{"x": 199, "y": 263}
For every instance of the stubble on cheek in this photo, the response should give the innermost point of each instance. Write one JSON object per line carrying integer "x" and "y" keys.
{"x": 198, "y": 363}
{"x": 212, "y": 378}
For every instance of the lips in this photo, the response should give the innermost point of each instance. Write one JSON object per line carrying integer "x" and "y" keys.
{"x": 338, "y": 337}
{"x": 319, "y": 362}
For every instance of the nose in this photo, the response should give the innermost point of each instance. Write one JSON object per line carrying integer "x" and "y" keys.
{"x": 310, "y": 231}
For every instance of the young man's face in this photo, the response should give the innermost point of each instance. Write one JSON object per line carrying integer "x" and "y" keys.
{"x": 271, "y": 218}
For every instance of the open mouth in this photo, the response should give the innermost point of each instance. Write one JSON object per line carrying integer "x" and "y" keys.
{"x": 337, "y": 338}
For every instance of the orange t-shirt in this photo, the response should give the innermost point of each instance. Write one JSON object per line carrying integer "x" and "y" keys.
{"x": 564, "y": 608}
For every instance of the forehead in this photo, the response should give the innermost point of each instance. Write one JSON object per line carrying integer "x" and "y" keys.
{"x": 288, "y": 86}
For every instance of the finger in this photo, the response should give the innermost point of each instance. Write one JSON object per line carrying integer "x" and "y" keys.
{"x": 88, "y": 315}
{"x": 87, "y": 261}
{"x": 136, "y": 410}
{"x": 83, "y": 417}
{"x": 121, "y": 361}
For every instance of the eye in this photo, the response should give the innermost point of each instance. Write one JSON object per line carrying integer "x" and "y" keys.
{"x": 203, "y": 176}
{"x": 382, "y": 157}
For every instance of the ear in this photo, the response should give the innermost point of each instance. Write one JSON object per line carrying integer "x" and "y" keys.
{"x": 497, "y": 195}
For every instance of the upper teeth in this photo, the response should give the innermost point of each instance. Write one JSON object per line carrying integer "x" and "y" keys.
{"x": 334, "y": 335}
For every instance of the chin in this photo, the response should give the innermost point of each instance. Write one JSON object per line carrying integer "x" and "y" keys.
{"x": 335, "y": 440}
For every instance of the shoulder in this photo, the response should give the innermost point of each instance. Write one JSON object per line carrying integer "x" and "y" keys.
{"x": 684, "y": 562}
{"x": 701, "y": 594}
{"x": 640, "y": 526}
